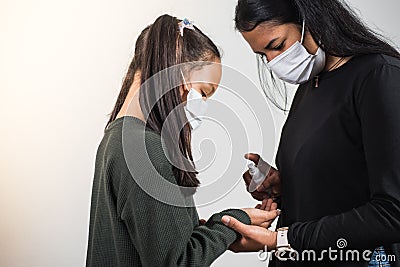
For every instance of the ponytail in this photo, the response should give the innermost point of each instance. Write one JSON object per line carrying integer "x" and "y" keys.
{"x": 130, "y": 76}
{"x": 159, "y": 96}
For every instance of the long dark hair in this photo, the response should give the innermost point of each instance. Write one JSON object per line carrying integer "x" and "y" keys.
{"x": 332, "y": 23}
{"x": 162, "y": 48}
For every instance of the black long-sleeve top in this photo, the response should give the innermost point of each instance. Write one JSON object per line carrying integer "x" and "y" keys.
{"x": 339, "y": 161}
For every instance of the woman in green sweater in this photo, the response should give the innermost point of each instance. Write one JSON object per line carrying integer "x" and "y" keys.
{"x": 142, "y": 211}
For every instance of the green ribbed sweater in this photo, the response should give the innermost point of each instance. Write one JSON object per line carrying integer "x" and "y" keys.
{"x": 128, "y": 226}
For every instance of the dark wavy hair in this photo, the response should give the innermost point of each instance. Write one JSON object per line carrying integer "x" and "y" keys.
{"x": 332, "y": 23}
{"x": 160, "y": 47}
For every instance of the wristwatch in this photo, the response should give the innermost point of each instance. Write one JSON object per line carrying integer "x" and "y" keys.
{"x": 284, "y": 251}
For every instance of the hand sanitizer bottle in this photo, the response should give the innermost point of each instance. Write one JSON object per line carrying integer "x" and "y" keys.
{"x": 259, "y": 173}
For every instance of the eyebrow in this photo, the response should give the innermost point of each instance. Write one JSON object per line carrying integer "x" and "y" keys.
{"x": 268, "y": 45}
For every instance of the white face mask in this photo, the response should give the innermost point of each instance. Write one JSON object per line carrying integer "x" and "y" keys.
{"x": 195, "y": 106}
{"x": 296, "y": 65}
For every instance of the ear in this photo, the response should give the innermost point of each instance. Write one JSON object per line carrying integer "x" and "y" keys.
{"x": 183, "y": 92}
{"x": 309, "y": 43}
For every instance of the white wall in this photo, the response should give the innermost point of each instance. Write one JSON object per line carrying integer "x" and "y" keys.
{"x": 61, "y": 67}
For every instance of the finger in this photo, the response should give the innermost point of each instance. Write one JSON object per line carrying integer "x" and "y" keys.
{"x": 271, "y": 171}
{"x": 274, "y": 206}
{"x": 274, "y": 179}
{"x": 235, "y": 224}
{"x": 202, "y": 222}
{"x": 247, "y": 177}
{"x": 266, "y": 184}
{"x": 269, "y": 203}
{"x": 271, "y": 183}
{"x": 271, "y": 215}
{"x": 260, "y": 216}
{"x": 276, "y": 190}
{"x": 258, "y": 206}
{"x": 264, "y": 204}
{"x": 266, "y": 224}
{"x": 263, "y": 189}
{"x": 253, "y": 157}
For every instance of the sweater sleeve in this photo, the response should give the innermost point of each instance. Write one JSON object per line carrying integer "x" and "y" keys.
{"x": 166, "y": 235}
{"x": 377, "y": 222}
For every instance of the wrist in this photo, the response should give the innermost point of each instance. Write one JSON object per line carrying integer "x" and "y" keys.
{"x": 283, "y": 248}
{"x": 275, "y": 240}
{"x": 282, "y": 238}
{"x": 247, "y": 214}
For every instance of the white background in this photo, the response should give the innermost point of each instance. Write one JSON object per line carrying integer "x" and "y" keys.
{"x": 61, "y": 67}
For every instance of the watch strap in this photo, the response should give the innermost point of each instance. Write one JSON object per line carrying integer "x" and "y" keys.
{"x": 282, "y": 238}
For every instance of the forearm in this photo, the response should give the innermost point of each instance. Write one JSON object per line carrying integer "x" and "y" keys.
{"x": 209, "y": 241}
{"x": 199, "y": 246}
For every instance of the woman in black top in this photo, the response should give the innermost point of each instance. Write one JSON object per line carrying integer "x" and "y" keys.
{"x": 339, "y": 153}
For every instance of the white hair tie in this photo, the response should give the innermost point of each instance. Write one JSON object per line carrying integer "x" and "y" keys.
{"x": 185, "y": 24}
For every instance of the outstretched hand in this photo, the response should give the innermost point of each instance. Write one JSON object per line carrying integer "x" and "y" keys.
{"x": 254, "y": 238}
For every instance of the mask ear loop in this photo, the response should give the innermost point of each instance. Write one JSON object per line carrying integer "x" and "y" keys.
{"x": 184, "y": 80}
{"x": 302, "y": 31}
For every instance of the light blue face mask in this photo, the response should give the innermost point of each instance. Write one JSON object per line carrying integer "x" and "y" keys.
{"x": 195, "y": 107}
{"x": 296, "y": 65}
